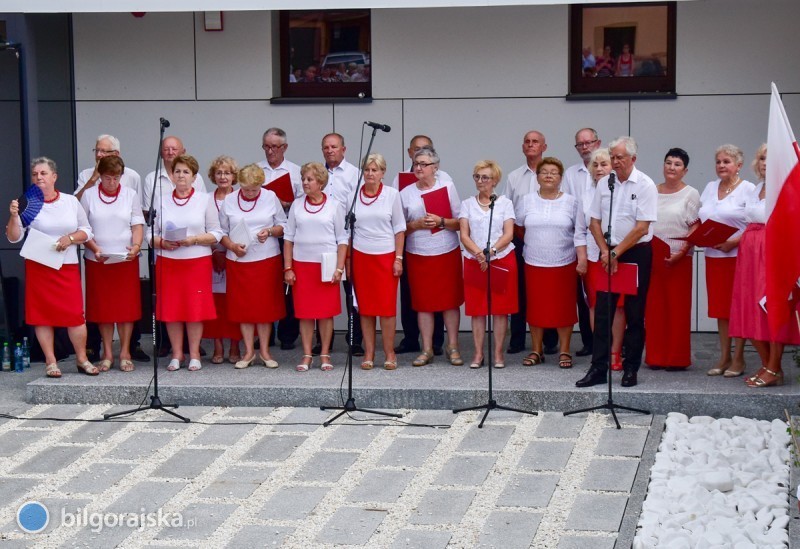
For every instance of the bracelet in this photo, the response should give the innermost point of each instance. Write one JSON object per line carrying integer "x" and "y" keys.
{"x": 441, "y": 224}
{"x": 398, "y": 258}
{"x": 269, "y": 232}
{"x": 287, "y": 269}
{"x": 340, "y": 271}
{"x": 72, "y": 240}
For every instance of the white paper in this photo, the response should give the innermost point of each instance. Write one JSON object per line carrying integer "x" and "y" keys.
{"x": 114, "y": 257}
{"x": 41, "y": 248}
{"x": 328, "y": 267}
{"x": 240, "y": 234}
{"x": 173, "y": 233}
{"x": 763, "y": 303}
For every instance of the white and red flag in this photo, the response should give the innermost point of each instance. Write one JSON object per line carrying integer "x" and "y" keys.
{"x": 783, "y": 213}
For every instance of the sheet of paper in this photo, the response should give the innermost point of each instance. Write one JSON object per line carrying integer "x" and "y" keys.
{"x": 114, "y": 257}
{"x": 173, "y": 233}
{"x": 329, "y": 260}
{"x": 240, "y": 234}
{"x": 41, "y": 248}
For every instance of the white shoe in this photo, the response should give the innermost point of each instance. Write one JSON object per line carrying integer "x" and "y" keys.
{"x": 195, "y": 365}
{"x": 173, "y": 365}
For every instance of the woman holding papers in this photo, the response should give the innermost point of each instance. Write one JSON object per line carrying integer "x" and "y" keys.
{"x": 252, "y": 220}
{"x": 748, "y": 310}
{"x": 474, "y": 222}
{"x": 314, "y": 236}
{"x": 377, "y": 259}
{"x": 548, "y": 219}
{"x": 187, "y": 227}
{"x": 431, "y": 208}
{"x": 54, "y": 296}
{"x": 112, "y": 266}
{"x": 669, "y": 300}
{"x": 222, "y": 173}
{"x": 724, "y": 201}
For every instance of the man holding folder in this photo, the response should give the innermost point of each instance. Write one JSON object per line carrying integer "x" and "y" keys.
{"x": 634, "y": 208}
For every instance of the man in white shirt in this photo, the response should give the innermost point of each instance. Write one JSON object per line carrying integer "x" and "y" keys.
{"x": 634, "y": 208}
{"x": 577, "y": 181}
{"x": 416, "y": 143}
{"x": 274, "y": 144}
{"x": 171, "y": 148}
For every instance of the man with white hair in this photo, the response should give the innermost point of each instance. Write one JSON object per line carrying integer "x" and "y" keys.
{"x": 171, "y": 148}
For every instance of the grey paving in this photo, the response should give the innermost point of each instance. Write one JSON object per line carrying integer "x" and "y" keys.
{"x": 351, "y": 437}
{"x": 274, "y": 448}
{"x": 351, "y": 526}
{"x": 237, "y": 482}
{"x": 546, "y": 455}
{"x": 224, "y": 435}
{"x": 260, "y": 536}
{"x": 292, "y": 503}
{"x": 491, "y": 438}
{"x": 586, "y": 542}
{"x": 466, "y": 470}
{"x": 98, "y": 478}
{"x": 381, "y": 485}
{"x": 602, "y": 512}
{"x": 187, "y": 463}
{"x": 94, "y": 432}
{"x": 406, "y": 452}
{"x": 446, "y": 507}
{"x": 610, "y": 475}
{"x": 11, "y": 443}
{"x": 199, "y": 521}
{"x": 613, "y": 442}
{"x": 418, "y": 539}
{"x": 326, "y": 466}
{"x": 528, "y": 491}
{"x": 509, "y": 530}
{"x": 140, "y": 445}
{"x": 557, "y": 425}
{"x": 49, "y": 460}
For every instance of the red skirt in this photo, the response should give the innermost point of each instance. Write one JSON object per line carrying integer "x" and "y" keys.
{"x": 113, "y": 292}
{"x": 594, "y": 273}
{"x": 375, "y": 284}
{"x": 719, "y": 284}
{"x": 313, "y": 298}
{"x": 551, "y": 296}
{"x": 668, "y": 315}
{"x": 53, "y": 297}
{"x": 505, "y": 291}
{"x": 748, "y": 319}
{"x": 183, "y": 287}
{"x": 436, "y": 281}
{"x": 255, "y": 290}
{"x": 221, "y": 327}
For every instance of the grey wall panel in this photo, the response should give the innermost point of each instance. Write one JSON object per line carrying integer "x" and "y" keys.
{"x": 10, "y": 154}
{"x": 348, "y": 120}
{"x": 50, "y": 34}
{"x": 55, "y": 140}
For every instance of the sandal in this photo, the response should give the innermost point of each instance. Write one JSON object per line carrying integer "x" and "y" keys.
{"x": 390, "y": 365}
{"x": 367, "y": 365}
{"x": 51, "y": 370}
{"x": 325, "y": 365}
{"x": 217, "y": 359}
{"x": 303, "y": 367}
{"x": 758, "y": 382}
{"x": 174, "y": 365}
{"x": 533, "y": 359}
{"x": 616, "y": 361}
{"x": 477, "y": 364}
{"x": 425, "y": 357}
{"x": 88, "y": 368}
{"x": 126, "y": 365}
{"x": 233, "y": 359}
{"x": 565, "y": 362}
{"x": 454, "y": 356}
{"x": 104, "y": 365}
{"x": 194, "y": 365}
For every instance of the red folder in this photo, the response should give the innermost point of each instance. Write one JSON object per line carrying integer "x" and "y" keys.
{"x": 437, "y": 203}
{"x": 282, "y": 187}
{"x": 661, "y": 249}
{"x": 475, "y": 278}
{"x": 625, "y": 281}
{"x": 404, "y": 179}
{"x": 710, "y": 233}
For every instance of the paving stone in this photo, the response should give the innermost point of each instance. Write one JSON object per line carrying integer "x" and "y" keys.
{"x": 305, "y": 419}
{"x": 557, "y": 425}
{"x": 351, "y": 526}
{"x": 442, "y": 507}
{"x": 98, "y": 478}
{"x": 221, "y": 435}
{"x": 586, "y": 542}
{"x": 546, "y": 455}
{"x": 352, "y": 437}
{"x": 59, "y": 411}
{"x": 50, "y": 459}
{"x": 601, "y": 512}
{"x": 148, "y": 494}
{"x": 408, "y": 452}
{"x": 384, "y": 486}
{"x": 292, "y": 503}
{"x": 645, "y": 420}
{"x": 19, "y": 544}
{"x": 12, "y": 489}
{"x": 140, "y": 445}
{"x": 14, "y": 441}
{"x": 610, "y": 475}
{"x": 274, "y": 448}
{"x": 621, "y": 442}
{"x": 200, "y": 520}
{"x": 96, "y": 431}
{"x": 509, "y": 530}
{"x": 260, "y": 536}
{"x": 187, "y": 463}
{"x": 249, "y": 411}
{"x": 237, "y": 482}
{"x": 429, "y": 417}
{"x": 326, "y": 466}
{"x": 465, "y": 470}
{"x": 418, "y": 539}
{"x": 491, "y": 438}
{"x": 528, "y": 491}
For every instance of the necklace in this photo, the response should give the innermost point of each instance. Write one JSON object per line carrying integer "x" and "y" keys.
{"x": 217, "y": 201}
{"x": 58, "y": 195}
{"x": 185, "y": 199}
{"x": 364, "y": 193}
{"x": 101, "y": 192}
{"x": 239, "y": 199}
{"x": 733, "y": 186}
{"x": 478, "y": 199}
{"x": 321, "y": 205}
{"x": 547, "y": 198}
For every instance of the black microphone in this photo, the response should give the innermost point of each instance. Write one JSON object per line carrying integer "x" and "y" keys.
{"x": 612, "y": 179}
{"x": 377, "y": 126}
{"x": 164, "y": 123}
{"x": 492, "y": 198}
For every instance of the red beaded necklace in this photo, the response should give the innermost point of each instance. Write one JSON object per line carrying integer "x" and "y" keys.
{"x": 185, "y": 199}
{"x": 321, "y": 205}
{"x": 374, "y": 198}
{"x": 101, "y": 192}
{"x": 58, "y": 195}
{"x": 239, "y": 199}
{"x": 216, "y": 202}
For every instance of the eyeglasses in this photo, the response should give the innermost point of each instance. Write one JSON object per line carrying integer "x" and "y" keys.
{"x": 585, "y": 144}
{"x": 619, "y": 157}
{"x": 548, "y": 174}
{"x": 273, "y": 147}
{"x": 481, "y": 178}
{"x": 103, "y": 151}
{"x": 222, "y": 174}
{"x": 422, "y": 164}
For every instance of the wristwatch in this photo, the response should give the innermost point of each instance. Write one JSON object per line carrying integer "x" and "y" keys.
{"x": 441, "y": 223}
{"x": 613, "y": 254}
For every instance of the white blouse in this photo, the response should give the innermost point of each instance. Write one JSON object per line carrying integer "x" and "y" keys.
{"x": 479, "y": 222}
{"x": 729, "y": 210}
{"x": 59, "y": 218}
{"x": 112, "y": 222}
{"x": 314, "y": 234}
{"x": 676, "y": 213}
{"x": 198, "y": 215}
{"x": 583, "y": 236}
{"x": 378, "y": 222}
{"x": 423, "y": 241}
{"x": 755, "y": 209}
{"x": 550, "y": 236}
{"x": 266, "y": 212}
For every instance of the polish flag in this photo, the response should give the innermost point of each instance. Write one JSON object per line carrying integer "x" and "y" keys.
{"x": 783, "y": 215}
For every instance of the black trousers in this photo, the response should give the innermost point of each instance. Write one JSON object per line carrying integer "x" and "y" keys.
{"x": 408, "y": 316}
{"x": 633, "y": 341}
{"x": 288, "y": 327}
{"x": 584, "y": 322}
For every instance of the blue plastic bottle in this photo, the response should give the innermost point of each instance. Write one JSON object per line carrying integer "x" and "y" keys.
{"x": 19, "y": 364}
{"x": 6, "y": 358}
{"x": 26, "y": 353}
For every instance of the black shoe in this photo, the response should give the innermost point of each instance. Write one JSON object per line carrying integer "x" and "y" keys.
{"x": 584, "y": 351}
{"x": 628, "y": 378}
{"x": 551, "y": 349}
{"x": 163, "y": 352}
{"x": 406, "y": 347}
{"x": 288, "y": 346}
{"x": 139, "y": 355}
{"x": 514, "y": 349}
{"x": 594, "y": 376}
{"x": 437, "y": 351}
{"x": 91, "y": 354}
{"x": 358, "y": 350}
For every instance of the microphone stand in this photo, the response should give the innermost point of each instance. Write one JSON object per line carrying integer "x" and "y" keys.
{"x": 610, "y": 405}
{"x": 155, "y": 400}
{"x": 491, "y": 403}
{"x": 350, "y": 223}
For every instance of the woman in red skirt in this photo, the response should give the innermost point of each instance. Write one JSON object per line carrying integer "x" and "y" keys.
{"x": 112, "y": 287}
{"x": 377, "y": 259}
{"x": 724, "y": 200}
{"x": 54, "y": 297}
{"x": 548, "y": 218}
{"x": 315, "y": 236}
{"x": 187, "y": 227}
{"x": 668, "y": 313}
{"x": 474, "y": 222}
{"x": 433, "y": 257}
{"x": 252, "y": 219}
